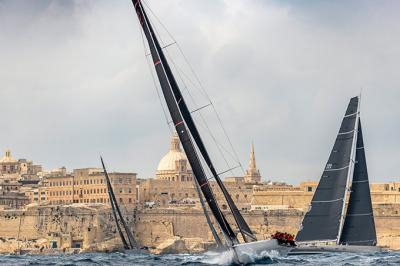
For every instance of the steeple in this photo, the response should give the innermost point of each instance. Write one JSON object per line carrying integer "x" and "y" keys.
{"x": 175, "y": 144}
{"x": 252, "y": 173}
{"x": 252, "y": 163}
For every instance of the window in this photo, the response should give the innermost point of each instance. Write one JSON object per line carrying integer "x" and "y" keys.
{"x": 309, "y": 189}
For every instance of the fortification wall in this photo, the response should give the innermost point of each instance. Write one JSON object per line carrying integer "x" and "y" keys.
{"x": 94, "y": 229}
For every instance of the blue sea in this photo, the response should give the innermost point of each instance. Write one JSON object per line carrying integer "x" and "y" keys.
{"x": 127, "y": 259}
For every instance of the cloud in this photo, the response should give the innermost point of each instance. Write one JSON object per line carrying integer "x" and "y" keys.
{"x": 75, "y": 82}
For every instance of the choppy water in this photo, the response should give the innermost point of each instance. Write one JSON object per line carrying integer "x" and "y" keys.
{"x": 127, "y": 259}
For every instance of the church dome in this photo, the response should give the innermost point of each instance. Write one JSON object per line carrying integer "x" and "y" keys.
{"x": 168, "y": 162}
{"x": 7, "y": 158}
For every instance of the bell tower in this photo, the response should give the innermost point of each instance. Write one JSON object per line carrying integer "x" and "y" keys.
{"x": 252, "y": 173}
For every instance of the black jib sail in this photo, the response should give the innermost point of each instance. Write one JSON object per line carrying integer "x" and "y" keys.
{"x": 167, "y": 83}
{"x": 359, "y": 225}
{"x": 187, "y": 117}
{"x": 324, "y": 219}
{"x": 209, "y": 222}
{"x": 130, "y": 243}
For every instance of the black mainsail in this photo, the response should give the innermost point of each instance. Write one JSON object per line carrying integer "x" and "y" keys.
{"x": 130, "y": 243}
{"x": 168, "y": 86}
{"x": 187, "y": 117}
{"x": 359, "y": 225}
{"x": 324, "y": 220}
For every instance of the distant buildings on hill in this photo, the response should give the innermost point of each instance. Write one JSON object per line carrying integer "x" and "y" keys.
{"x": 23, "y": 183}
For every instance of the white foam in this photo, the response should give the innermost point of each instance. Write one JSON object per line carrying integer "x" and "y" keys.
{"x": 228, "y": 257}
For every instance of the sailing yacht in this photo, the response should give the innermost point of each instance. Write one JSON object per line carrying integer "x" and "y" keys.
{"x": 329, "y": 226}
{"x": 129, "y": 241}
{"x": 195, "y": 150}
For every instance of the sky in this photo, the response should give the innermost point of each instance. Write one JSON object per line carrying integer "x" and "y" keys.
{"x": 74, "y": 81}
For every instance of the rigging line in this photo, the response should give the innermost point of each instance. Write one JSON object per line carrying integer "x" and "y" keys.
{"x": 198, "y": 109}
{"x": 198, "y": 80}
{"x": 235, "y": 157}
{"x": 177, "y": 93}
{"x": 226, "y": 224}
{"x": 166, "y": 46}
{"x": 201, "y": 116}
{"x": 155, "y": 83}
{"x": 237, "y": 166}
{"x": 208, "y": 130}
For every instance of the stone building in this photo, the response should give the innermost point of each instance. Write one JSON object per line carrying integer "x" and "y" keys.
{"x": 252, "y": 173}
{"x": 88, "y": 185}
{"x": 299, "y": 197}
{"x": 174, "y": 166}
{"x": 18, "y": 169}
{"x": 174, "y": 183}
{"x": 11, "y": 195}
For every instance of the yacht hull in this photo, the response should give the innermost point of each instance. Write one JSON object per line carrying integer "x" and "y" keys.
{"x": 319, "y": 249}
{"x": 249, "y": 252}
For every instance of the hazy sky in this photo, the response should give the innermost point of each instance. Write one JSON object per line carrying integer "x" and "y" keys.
{"x": 74, "y": 82}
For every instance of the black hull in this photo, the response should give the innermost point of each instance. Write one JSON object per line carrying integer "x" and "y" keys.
{"x": 313, "y": 250}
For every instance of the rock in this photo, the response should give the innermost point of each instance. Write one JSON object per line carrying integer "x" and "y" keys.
{"x": 171, "y": 245}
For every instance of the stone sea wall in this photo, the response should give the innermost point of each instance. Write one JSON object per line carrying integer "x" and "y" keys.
{"x": 92, "y": 228}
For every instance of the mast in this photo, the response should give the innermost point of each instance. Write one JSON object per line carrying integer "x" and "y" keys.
{"x": 186, "y": 114}
{"x": 203, "y": 206}
{"x": 350, "y": 173}
{"x": 187, "y": 117}
{"x": 323, "y": 221}
{"x": 161, "y": 67}
{"x": 359, "y": 225}
{"x": 117, "y": 212}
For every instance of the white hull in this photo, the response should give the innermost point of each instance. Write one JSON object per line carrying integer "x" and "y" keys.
{"x": 319, "y": 249}
{"x": 249, "y": 252}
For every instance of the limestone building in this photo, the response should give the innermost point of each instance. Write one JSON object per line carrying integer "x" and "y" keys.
{"x": 174, "y": 166}
{"x": 88, "y": 185}
{"x": 19, "y": 169}
{"x": 174, "y": 183}
{"x": 252, "y": 173}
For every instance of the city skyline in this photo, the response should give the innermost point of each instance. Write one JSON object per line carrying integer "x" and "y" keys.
{"x": 75, "y": 83}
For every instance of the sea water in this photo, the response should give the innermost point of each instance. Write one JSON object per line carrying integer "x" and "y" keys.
{"x": 210, "y": 258}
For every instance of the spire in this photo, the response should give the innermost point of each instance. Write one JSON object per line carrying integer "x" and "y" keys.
{"x": 175, "y": 144}
{"x": 252, "y": 173}
{"x": 252, "y": 163}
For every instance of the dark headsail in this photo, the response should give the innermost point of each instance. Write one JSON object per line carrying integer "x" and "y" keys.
{"x": 168, "y": 83}
{"x": 324, "y": 219}
{"x": 359, "y": 225}
{"x": 209, "y": 222}
{"x": 119, "y": 219}
{"x": 187, "y": 117}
